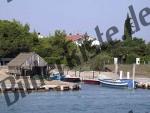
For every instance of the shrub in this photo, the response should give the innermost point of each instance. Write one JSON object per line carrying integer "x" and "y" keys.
{"x": 100, "y": 61}
{"x": 131, "y": 58}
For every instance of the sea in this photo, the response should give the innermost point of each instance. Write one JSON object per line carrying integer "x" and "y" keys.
{"x": 90, "y": 99}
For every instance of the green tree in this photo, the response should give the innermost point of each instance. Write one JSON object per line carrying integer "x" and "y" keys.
{"x": 127, "y": 28}
{"x": 15, "y": 38}
{"x": 88, "y": 50}
{"x": 131, "y": 58}
{"x": 100, "y": 61}
{"x": 59, "y": 50}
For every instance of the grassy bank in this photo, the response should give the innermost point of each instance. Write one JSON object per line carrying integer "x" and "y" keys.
{"x": 141, "y": 70}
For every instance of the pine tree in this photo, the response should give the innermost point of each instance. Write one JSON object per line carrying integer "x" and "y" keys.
{"x": 127, "y": 28}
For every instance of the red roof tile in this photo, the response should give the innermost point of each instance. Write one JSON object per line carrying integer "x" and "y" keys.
{"x": 74, "y": 37}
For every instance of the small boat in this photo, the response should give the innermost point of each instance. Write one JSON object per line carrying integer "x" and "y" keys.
{"x": 65, "y": 78}
{"x": 68, "y": 78}
{"x": 56, "y": 76}
{"x": 119, "y": 83}
{"x": 72, "y": 79}
{"x": 91, "y": 81}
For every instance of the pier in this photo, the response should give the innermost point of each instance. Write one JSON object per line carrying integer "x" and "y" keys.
{"x": 48, "y": 86}
{"x": 143, "y": 85}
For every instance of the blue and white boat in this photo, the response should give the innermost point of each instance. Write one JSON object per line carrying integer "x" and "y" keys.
{"x": 119, "y": 83}
{"x": 65, "y": 78}
{"x": 56, "y": 76}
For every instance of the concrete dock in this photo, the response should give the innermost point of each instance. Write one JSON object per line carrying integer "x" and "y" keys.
{"x": 47, "y": 86}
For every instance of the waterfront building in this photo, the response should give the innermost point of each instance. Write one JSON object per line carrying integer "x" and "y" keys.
{"x": 28, "y": 64}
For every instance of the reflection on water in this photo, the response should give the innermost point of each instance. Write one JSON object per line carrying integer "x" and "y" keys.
{"x": 91, "y": 99}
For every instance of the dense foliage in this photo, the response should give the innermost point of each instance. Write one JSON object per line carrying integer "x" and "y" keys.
{"x": 15, "y": 38}
{"x": 56, "y": 49}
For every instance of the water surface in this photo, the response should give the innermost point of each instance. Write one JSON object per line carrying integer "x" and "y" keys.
{"x": 91, "y": 99}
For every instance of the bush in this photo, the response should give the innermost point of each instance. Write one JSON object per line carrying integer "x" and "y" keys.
{"x": 145, "y": 59}
{"x": 131, "y": 58}
{"x": 100, "y": 61}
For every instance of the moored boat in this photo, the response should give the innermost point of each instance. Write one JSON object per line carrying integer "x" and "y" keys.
{"x": 66, "y": 78}
{"x": 91, "y": 81}
{"x": 72, "y": 79}
{"x": 120, "y": 83}
{"x": 56, "y": 76}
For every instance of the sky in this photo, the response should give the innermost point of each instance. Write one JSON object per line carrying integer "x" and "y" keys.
{"x": 75, "y": 16}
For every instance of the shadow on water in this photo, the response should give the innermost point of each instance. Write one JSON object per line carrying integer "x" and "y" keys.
{"x": 131, "y": 111}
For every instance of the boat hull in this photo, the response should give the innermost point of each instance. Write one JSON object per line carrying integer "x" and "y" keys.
{"x": 117, "y": 84}
{"x": 114, "y": 86}
{"x": 94, "y": 82}
{"x": 71, "y": 79}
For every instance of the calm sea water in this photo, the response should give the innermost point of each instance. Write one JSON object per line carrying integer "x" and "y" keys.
{"x": 91, "y": 99}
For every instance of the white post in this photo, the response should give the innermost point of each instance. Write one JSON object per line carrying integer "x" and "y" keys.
{"x": 116, "y": 68}
{"x": 133, "y": 74}
{"x": 121, "y": 72}
{"x": 128, "y": 75}
{"x": 116, "y": 64}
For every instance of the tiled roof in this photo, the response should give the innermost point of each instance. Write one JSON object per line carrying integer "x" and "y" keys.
{"x": 74, "y": 37}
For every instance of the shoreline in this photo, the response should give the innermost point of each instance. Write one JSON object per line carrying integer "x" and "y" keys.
{"x": 144, "y": 81}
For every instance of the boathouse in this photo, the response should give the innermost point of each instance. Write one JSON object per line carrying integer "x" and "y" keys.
{"x": 28, "y": 64}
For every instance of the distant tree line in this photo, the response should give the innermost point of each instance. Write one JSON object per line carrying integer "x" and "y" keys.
{"x": 56, "y": 49}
